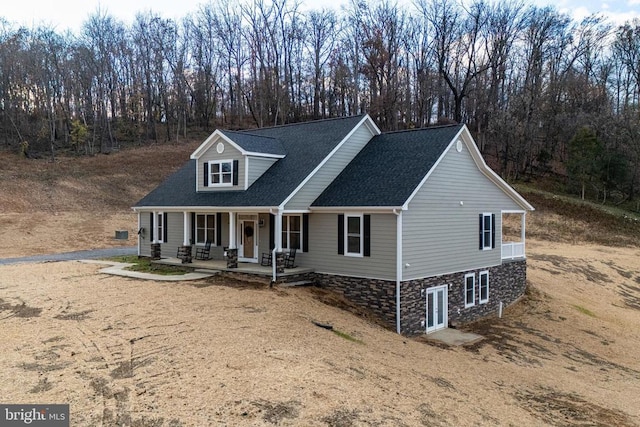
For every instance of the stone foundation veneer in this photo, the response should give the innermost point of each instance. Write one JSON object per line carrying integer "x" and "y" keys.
{"x": 232, "y": 258}
{"x": 156, "y": 251}
{"x": 507, "y": 283}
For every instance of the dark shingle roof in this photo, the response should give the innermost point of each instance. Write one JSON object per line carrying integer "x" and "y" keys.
{"x": 256, "y": 143}
{"x": 305, "y": 144}
{"x": 389, "y": 168}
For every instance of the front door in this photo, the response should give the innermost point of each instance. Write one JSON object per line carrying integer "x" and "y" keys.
{"x": 436, "y": 308}
{"x": 248, "y": 248}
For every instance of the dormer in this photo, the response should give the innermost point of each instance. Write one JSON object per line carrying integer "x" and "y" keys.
{"x": 229, "y": 160}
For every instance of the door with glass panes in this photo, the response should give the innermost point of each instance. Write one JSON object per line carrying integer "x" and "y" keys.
{"x": 436, "y": 308}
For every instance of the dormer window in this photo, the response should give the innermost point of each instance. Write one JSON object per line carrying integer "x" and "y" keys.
{"x": 221, "y": 173}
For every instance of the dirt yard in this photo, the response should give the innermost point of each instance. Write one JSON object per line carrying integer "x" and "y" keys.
{"x": 145, "y": 353}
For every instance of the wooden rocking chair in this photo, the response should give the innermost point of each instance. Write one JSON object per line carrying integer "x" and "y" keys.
{"x": 205, "y": 252}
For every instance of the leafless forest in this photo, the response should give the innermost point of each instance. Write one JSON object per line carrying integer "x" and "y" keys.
{"x": 541, "y": 93}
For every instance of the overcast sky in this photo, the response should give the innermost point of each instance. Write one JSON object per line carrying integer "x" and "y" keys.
{"x": 69, "y": 14}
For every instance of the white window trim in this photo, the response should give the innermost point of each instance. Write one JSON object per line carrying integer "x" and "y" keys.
{"x": 210, "y": 177}
{"x": 473, "y": 287}
{"x": 215, "y": 226}
{"x": 346, "y": 235}
{"x": 486, "y": 247}
{"x": 286, "y": 242}
{"x": 483, "y": 273}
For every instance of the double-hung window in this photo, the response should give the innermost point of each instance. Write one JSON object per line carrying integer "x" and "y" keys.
{"x": 292, "y": 232}
{"x": 469, "y": 290}
{"x": 158, "y": 226}
{"x": 487, "y": 231}
{"x": 353, "y": 235}
{"x": 221, "y": 173}
{"x": 483, "y": 287}
{"x": 205, "y": 228}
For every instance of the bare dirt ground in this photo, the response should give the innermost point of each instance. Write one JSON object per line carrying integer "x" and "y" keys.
{"x": 150, "y": 353}
{"x": 145, "y": 353}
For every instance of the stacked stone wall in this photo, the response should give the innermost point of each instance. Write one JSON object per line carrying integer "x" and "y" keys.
{"x": 507, "y": 283}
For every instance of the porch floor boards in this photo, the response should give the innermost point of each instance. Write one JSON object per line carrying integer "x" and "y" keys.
{"x": 243, "y": 267}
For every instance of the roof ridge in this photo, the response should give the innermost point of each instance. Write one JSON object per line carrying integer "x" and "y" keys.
{"x": 424, "y": 128}
{"x": 249, "y": 133}
{"x": 304, "y": 123}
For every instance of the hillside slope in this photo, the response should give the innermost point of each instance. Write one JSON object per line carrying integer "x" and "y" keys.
{"x": 78, "y": 202}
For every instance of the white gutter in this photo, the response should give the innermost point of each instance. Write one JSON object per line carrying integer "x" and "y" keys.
{"x": 398, "y": 213}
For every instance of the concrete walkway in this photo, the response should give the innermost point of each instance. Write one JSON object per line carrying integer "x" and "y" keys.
{"x": 118, "y": 269}
{"x": 73, "y": 256}
{"x": 454, "y": 337}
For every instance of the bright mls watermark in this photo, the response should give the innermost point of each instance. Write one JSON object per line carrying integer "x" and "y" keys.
{"x": 34, "y": 415}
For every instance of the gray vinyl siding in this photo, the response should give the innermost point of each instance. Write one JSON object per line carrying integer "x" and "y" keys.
{"x": 257, "y": 166}
{"x": 263, "y": 234}
{"x": 230, "y": 153}
{"x": 175, "y": 236}
{"x": 323, "y": 248}
{"x": 145, "y": 236}
{"x": 441, "y": 236}
{"x": 330, "y": 170}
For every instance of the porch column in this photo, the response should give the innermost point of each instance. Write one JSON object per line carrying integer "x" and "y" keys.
{"x": 232, "y": 250}
{"x": 232, "y": 230}
{"x": 278, "y": 232}
{"x": 155, "y": 245}
{"x": 154, "y": 229}
{"x": 522, "y": 232}
{"x": 186, "y": 234}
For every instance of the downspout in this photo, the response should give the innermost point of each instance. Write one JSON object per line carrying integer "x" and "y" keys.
{"x": 398, "y": 265}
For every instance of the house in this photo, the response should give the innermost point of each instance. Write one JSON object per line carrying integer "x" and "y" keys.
{"x": 407, "y": 224}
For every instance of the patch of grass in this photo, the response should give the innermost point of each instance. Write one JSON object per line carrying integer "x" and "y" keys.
{"x": 346, "y": 336}
{"x": 144, "y": 265}
{"x": 583, "y": 310}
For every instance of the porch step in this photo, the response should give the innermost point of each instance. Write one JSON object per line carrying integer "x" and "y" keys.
{"x": 294, "y": 284}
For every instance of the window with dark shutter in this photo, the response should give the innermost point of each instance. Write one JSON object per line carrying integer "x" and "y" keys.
{"x": 205, "y": 181}
{"x": 272, "y": 231}
{"x": 487, "y": 231}
{"x": 151, "y": 227}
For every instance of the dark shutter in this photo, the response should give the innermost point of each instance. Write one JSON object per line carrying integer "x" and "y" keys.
{"x": 305, "y": 232}
{"x": 219, "y": 229}
{"x": 193, "y": 228}
{"x": 481, "y": 229}
{"x": 235, "y": 172}
{"x": 151, "y": 229}
{"x": 272, "y": 231}
{"x": 493, "y": 230}
{"x": 206, "y": 174}
{"x": 367, "y": 235}
{"x": 164, "y": 228}
{"x": 341, "y": 234}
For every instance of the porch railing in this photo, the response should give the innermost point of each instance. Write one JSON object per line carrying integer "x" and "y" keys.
{"x": 513, "y": 250}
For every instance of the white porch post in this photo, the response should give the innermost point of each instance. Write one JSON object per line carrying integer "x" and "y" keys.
{"x": 185, "y": 220}
{"x": 154, "y": 230}
{"x": 232, "y": 231}
{"x": 522, "y": 232}
{"x": 277, "y": 245}
{"x": 278, "y": 232}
